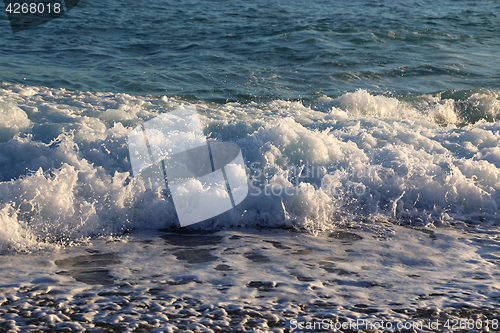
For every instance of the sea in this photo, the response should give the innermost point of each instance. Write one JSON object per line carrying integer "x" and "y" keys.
{"x": 370, "y": 134}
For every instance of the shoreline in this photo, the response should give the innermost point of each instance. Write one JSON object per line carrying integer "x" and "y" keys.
{"x": 249, "y": 280}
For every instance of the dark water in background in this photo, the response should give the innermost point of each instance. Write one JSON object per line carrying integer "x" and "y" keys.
{"x": 259, "y": 50}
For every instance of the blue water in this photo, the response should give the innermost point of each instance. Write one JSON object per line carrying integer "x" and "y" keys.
{"x": 259, "y": 50}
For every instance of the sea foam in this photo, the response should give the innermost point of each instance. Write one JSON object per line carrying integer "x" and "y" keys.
{"x": 422, "y": 160}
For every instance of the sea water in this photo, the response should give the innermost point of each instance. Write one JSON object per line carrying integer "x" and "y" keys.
{"x": 368, "y": 120}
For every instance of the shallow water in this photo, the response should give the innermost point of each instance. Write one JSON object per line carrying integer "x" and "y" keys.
{"x": 256, "y": 279}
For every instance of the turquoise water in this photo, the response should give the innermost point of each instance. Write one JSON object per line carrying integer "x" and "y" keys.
{"x": 259, "y": 50}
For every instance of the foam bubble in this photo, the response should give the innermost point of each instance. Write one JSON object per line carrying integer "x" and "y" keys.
{"x": 14, "y": 120}
{"x": 65, "y": 171}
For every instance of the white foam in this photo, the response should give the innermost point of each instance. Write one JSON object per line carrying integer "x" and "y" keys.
{"x": 14, "y": 120}
{"x": 65, "y": 170}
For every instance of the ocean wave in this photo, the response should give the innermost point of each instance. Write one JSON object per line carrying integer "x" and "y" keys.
{"x": 426, "y": 160}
